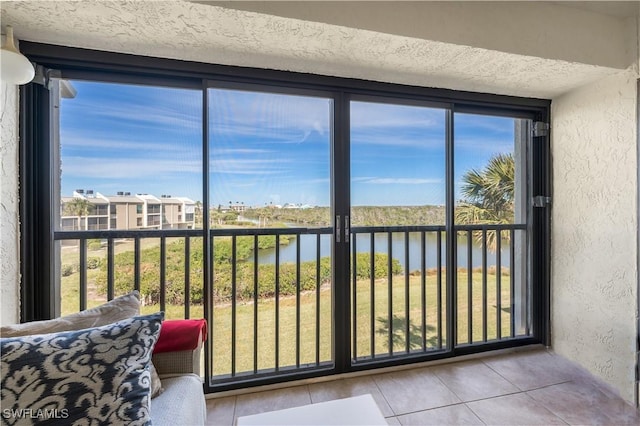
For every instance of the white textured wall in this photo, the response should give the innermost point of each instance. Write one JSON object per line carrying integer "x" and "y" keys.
{"x": 594, "y": 229}
{"x": 9, "y": 262}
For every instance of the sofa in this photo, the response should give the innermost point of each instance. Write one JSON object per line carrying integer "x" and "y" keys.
{"x": 105, "y": 365}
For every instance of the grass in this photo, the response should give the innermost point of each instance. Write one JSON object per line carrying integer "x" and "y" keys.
{"x": 244, "y": 359}
{"x": 366, "y": 318}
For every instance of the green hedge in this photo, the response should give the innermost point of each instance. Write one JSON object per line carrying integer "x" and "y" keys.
{"x": 222, "y": 272}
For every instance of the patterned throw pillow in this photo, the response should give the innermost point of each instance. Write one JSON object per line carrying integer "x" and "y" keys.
{"x": 118, "y": 309}
{"x": 92, "y": 376}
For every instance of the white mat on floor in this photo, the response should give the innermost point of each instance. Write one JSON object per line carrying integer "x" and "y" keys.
{"x": 358, "y": 410}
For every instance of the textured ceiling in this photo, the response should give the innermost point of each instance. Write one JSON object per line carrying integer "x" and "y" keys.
{"x": 619, "y": 9}
{"x": 538, "y": 29}
{"x": 197, "y": 32}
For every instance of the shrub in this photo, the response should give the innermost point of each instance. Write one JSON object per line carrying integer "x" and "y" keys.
{"x": 380, "y": 265}
{"x": 94, "y": 263}
{"x": 288, "y": 282}
{"x": 67, "y": 270}
{"x": 94, "y": 244}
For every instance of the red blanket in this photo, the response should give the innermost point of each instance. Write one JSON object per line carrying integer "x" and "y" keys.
{"x": 180, "y": 335}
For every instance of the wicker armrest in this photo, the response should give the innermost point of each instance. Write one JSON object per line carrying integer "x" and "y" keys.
{"x": 179, "y": 362}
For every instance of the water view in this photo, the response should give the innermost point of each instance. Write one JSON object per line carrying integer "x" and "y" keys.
{"x": 308, "y": 252}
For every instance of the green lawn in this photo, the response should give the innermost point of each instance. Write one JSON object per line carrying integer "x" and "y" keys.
{"x": 287, "y": 336}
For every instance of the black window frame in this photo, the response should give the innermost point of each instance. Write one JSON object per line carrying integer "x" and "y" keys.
{"x": 35, "y": 168}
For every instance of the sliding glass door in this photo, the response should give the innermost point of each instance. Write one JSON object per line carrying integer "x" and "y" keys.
{"x": 398, "y": 246}
{"x": 271, "y": 231}
{"x": 127, "y": 196}
{"x": 440, "y": 251}
{"x": 491, "y": 177}
{"x": 319, "y": 229}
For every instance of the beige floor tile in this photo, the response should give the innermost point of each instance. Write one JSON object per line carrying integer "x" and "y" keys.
{"x": 346, "y": 388}
{"x": 625, "y": 414}
{"x": 585, "y": 404}
{"x": 533, "y": 369}
{"x": 452, "y": 415}
{"x": 473, "y": 380}
{"x": 414, "y": 390}
{"x": 517, "y": 409}
{"x": 279, "y": 399}
{"x": 220, "y": 411}
{"x": 585, "y": 378}
{"x": 433, "y": 395}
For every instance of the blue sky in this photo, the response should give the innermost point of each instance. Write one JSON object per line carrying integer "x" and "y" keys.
{"x": 264, "y": 148}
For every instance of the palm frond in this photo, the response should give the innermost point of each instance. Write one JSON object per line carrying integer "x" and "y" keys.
{"x": 488, "y": 197}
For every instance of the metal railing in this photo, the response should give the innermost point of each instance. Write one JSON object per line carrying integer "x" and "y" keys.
{"x": 274, "y": 296}
{"x": 394, "y": 323}
{"x": 105, "y": 252}
{"x": 409, "y": 317}
{"x": 272, "y": 307}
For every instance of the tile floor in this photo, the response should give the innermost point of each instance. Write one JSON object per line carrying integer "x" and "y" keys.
{"x": 530, "y": 387}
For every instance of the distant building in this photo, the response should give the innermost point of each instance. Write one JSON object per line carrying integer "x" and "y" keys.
{"x": 97, "y": 213}
{"x": 177, "y": 212}
{"x": 298, "y": 206}
{"x": 238, "y": 207}
{"x": 126, "y": 211}
{"x": 151, "y": 211}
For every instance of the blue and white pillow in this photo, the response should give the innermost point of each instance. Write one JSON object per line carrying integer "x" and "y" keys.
{"x": 93, "y": 376}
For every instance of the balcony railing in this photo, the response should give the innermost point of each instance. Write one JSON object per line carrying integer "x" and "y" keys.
{"x": 272, "y": 290}
{"x": 404, "y": 313}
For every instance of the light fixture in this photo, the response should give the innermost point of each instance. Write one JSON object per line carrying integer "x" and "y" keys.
{"x": 14, "y": 66}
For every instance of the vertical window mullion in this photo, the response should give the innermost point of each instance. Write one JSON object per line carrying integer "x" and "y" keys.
{"x": 340, "y": 178}
{"x": 206, "y": 239}
{"x": 451, "y": 234}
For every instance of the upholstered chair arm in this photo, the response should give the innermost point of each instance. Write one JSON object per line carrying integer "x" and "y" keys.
{"x": 179, "y": 347}
{"x": 178, "y": 362}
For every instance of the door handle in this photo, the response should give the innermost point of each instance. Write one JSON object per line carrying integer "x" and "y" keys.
{"x": 346, "y": 229}
{"x": 337, "y": 229}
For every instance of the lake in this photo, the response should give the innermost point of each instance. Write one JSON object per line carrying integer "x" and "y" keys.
{"x": 363, "y": 244}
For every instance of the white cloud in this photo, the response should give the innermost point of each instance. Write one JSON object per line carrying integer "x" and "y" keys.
{"x": 401, "y": 181}
{"x": 247, "y": 166}
{"x": 396, "y": 138}
{"x": 485, "y": 144}
{"x": 314, "y": 181}
{"x": 484, "y": 123}
{"x": 76, "y": 139}
{"x": 234, "y": 151}
{"x": 137, "y": 115}
{"x": 362, "y": 178}
{"x": 283, "y": 117}
{"x": 108, "y": 168}
{"x": 378, "y": 115}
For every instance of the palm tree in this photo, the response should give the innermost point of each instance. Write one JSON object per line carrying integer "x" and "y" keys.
{"x": 79, "y": 207}
{"x": 489, "y": 196}
{"x": 198, "y": 213}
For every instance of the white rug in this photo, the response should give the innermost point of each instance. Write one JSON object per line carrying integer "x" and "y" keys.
{"x": 358, "y": 410}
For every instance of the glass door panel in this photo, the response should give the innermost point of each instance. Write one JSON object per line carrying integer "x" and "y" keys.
{"x": 490, "y": 176}
{"x": 130, "y": 172}
{"x": 398, "y": 192}
{"x": 271, "y": 234}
